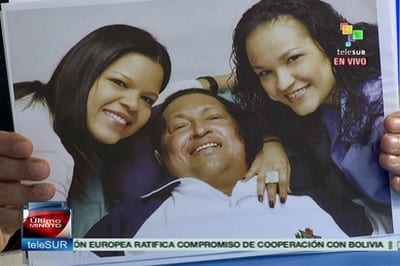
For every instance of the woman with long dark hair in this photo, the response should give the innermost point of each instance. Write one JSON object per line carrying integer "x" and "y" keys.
{"x": 100, "y": 93}
{"x": 283, "y": 53}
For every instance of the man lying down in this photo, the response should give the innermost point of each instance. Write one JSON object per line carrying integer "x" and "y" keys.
{"x": 199, "y": 142}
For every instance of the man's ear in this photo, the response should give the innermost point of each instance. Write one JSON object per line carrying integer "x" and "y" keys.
{"x": 159, "y": 159}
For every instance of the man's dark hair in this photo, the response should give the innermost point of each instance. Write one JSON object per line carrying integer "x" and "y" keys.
{"x": 244, "y": 119}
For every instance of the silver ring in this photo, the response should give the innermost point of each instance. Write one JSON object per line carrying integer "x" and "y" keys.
{"x": 272, "y": 177}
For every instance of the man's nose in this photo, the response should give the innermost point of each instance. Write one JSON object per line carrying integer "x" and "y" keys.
{"x": 199, "y": 129}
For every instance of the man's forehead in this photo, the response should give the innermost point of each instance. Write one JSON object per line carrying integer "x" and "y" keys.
{"x": 192, "y": 104}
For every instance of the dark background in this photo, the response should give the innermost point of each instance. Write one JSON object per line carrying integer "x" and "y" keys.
{"x": 5, "y": 107}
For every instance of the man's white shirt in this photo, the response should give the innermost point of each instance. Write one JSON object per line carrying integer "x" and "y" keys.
{"x": 197, "y": 210}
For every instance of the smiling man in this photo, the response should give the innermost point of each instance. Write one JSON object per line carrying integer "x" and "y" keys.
{"x": 199, "y": 141}
{"x": 200, "y": 138}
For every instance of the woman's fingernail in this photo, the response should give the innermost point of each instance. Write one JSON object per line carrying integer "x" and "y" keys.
{"x": 271, "y": 204}
{"x": 283, "y": 200}
{"x": 260, "y": 198}
{"x": 41, "y": 190}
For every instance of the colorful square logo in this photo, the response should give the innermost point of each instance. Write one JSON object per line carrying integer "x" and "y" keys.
{"x": 352, "y": 34}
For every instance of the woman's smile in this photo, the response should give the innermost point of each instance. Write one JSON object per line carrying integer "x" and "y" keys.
{"x": 118, "y": 118}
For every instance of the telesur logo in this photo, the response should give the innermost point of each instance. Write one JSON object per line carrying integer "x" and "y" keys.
{"x": 350, "y": 57}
